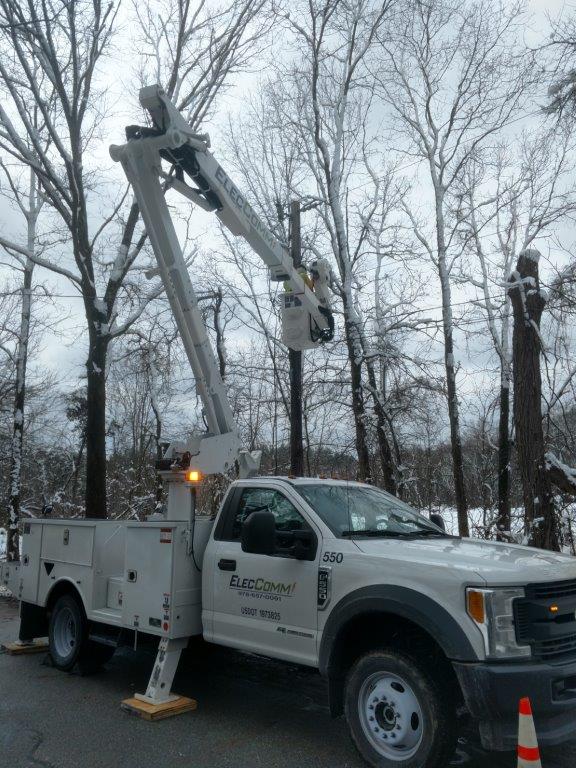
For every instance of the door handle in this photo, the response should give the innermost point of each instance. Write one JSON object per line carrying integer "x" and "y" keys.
{"x": 227, "y": 565}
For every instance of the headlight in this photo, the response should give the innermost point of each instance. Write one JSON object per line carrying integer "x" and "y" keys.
{"x": 492, "y": 610}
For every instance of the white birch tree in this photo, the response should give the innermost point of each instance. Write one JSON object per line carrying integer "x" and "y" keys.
{"x": 29, "y": 203}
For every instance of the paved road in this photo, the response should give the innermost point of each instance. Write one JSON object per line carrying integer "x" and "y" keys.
{"x": 251, "y": 712}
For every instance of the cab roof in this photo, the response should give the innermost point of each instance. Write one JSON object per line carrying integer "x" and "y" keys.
{"x": 311, "y": 480}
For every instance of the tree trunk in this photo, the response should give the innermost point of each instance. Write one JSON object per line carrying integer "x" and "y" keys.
{"x": 354, "y": 348}
{"x": 307, "y": 437}
{"x": 296, "y": 439}
{"x": 78, "y": 465}
{"x": 455, "y": 438}
{"x": 13, "y": 543}
{"x": 220, "y": 348}
{"x": 386, "y": 457}
{"x": 159, "y": 492}
{"x": 295, "y": 361}
{"x": 504, "y": 522}
{"x": 96, "y": 426}
{"x": 447, "y": 326}
{"x": 528, "y": 304}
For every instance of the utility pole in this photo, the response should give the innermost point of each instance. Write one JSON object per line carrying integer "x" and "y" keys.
{"x": 295, "y": 359}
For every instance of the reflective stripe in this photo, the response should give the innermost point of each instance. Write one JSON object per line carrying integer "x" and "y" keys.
{"x": 528, "y": 753}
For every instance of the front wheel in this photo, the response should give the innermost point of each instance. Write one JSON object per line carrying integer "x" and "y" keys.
{"x": 398, "y": 713}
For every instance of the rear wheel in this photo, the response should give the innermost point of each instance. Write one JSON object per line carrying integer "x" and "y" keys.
{"x": 67, "y": 632}
{"x": 399, "y": 715}
{"x": 68, "y": 638}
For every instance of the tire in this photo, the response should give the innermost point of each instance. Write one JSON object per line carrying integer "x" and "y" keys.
{"x": 398, "y": 714}
{"x": 67, "y": 632}
{"x": 68, "y": 639}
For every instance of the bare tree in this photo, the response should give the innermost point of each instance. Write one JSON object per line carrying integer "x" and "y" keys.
{"x": 510, "y": 198}
{"x": 29, "y": 203}
{"x": 455, "y": 79}
{"x": 562, "y": 51}
{"x": 328, "y": 109}
{"x": 66, "y": 44}
{"x": 195, "y": 49}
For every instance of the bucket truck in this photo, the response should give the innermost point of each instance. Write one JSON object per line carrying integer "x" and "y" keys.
{"x": 406, "y": 622}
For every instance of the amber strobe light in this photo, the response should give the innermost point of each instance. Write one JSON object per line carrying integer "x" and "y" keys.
{"x": 193, "y": 476}
{"x": 476, "y": 606}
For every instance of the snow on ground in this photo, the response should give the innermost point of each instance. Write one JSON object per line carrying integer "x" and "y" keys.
{"x": 479, "y": 520}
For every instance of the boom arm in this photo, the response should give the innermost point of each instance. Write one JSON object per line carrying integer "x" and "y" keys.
{"x": 306, "y": 317}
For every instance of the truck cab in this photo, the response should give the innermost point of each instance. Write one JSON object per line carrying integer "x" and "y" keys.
{"x": 350, "y": 572}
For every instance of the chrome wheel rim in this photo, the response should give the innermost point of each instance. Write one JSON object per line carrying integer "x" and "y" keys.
{"x": 391, "y": 716}
{"x": 65, "y": 633}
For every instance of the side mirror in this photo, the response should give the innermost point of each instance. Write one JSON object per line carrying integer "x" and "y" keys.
{"x": 304, "y": 545}
{"x": 438, "y": 520}
{"x": 259, "y": 533}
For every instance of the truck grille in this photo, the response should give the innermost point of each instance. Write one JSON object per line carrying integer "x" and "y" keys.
{"x": 555, "y": 649}
{"x": 552, "y": 635}
{"x": 551, "y": 591}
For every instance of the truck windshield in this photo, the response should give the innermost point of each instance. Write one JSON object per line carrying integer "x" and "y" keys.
{"x": 363, "y": 511}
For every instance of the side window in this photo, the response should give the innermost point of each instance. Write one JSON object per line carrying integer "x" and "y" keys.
{"x": 288, "y": 518}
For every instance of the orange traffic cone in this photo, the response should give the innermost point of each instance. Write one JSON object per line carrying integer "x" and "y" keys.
{"x": 528, "y": 752}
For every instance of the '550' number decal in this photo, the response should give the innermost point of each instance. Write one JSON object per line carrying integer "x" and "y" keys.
{"x": 332, "y": 557}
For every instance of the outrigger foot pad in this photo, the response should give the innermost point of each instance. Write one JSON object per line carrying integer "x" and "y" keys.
{"x": 176, "y": 705}
{"x": 20, "y": 647}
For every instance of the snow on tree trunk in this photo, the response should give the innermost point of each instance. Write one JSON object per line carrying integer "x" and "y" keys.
{"x": 528, "y": 303}
{"x": 31, "y": 212}
{"x": 13, "y": 549}
{"x": 560, "y": 474}
{"x": 450, "y": 366}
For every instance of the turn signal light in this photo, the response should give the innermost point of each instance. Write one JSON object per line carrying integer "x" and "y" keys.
{"x": 554, "y": 608}
{"x": 476, "y": 606}
{"x": 193, "y": 476}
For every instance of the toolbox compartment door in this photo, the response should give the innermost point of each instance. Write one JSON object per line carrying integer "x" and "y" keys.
{"x": 30, "y": 559}
{"x": 147, "y": 599}
{"x": 65, "y": 542}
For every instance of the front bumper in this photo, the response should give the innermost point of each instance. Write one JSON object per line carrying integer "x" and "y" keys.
{"x": 492, "y": 693}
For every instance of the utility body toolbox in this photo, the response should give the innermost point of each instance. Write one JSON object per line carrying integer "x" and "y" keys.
{"x": 140, "y": 576}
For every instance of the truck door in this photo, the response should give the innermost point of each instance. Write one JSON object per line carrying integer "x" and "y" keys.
{"x": 263, "y": 603}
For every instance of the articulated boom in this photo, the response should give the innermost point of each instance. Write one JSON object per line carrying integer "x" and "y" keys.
{"x": 306, "y": 317}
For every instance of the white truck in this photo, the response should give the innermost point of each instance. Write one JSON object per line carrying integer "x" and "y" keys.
{"x": 407, "y": 623}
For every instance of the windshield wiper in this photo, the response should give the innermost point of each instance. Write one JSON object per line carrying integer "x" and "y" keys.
{"x": 394, "y": 534}
{"x": 369, "y": 532}
{"x": 428, "y": 532}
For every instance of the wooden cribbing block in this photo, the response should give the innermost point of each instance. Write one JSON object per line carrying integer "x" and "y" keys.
{"x": 18, "y": 648}
{"x": 149, "y": 711}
